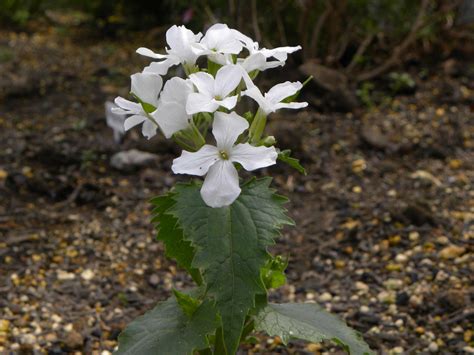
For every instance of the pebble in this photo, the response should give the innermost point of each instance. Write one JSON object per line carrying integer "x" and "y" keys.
{"x": 364, "y": 309}
{"x": 64, "y": 275}
{"x": 416, "y": 300}
{"x": 4, "y": 325}
{"x": 325, "y": 297}
{"x": 28, "y": 339}
{"x": 399, "y": 323}
{"x": 433, "y": 347}
{"x": 441, "y": 276}
{"x": 87, "y": 274}
{"x": 74, "y": 340}
{"x": 386, "y": 297}
{"x": 401, "y": 258}
{"x": 397, "y": 350}
{"x": 361, "y": 286}
{"x": 393, "y": 284}
{"x": 414, "y": 236}
{"x": 451, "y": 252}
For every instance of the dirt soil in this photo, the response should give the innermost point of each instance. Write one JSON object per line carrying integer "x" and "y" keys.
{"x": 384, "y": 219}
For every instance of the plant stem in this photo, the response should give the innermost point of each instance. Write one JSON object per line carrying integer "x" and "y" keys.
{"x": 257, "y": 127}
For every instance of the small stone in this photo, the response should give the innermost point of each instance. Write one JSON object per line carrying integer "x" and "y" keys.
{"x": 364, "y": 309}
{"x": 433, "y": 347}
{"x": 393, "y": 267}
{"x": 401, "y": 258}
{"x": 451, "y": 252}
{"x": 51, "y": 337}
{"x": 28, "y": 339}
{"x": 441, "y": 276}
{"x": 132, "y": 159}
{"x": 357, "y": 189}
{"x": 361, "y": 286}
{"x": 74, "y": 340}
{"x": 393, "y": 284}
{"x": 416, "y": 300}
{"x": 325, "y": 297}
{"x": 414, "y": 236}
{"x": 399, "y": 323}
{"x": 313, "y": 347}
{"x": 64, "y": 275}
{"x": 468, "y": 349}
{"x": 397, "y": 350}
{"x": 453, "y": 299}
{"x": 153, "y": 280}
{"x": 386, "y": 297}
{"x": 420, "y": 330}
{"x": 4, "y": 325}
{"x": 87, "y": 274}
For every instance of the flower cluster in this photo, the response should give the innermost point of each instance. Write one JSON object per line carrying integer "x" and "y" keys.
{"x": 184, "y": 108}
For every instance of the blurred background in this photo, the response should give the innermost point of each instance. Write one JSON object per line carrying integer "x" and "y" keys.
{"x": 384, "y": 234}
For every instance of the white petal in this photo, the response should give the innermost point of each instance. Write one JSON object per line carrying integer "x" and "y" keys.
{"x": 198, "y": 102}
{"x": 256, "y": 61}
{"x": 255, "y": 94}
{"x": 171, "y": 117}
{"x": 280, "y": 53}
{"x": 129, "y": 106}
{"x": 180, "y": 40}
{"x": 292, "y": 105}
{"x": 282, "y": 91}
{"x": 146, "y": 87}
{"x": 119, "y": 111}
{"x": 229, "y": 102}
{"x": 149, "y": 129}
{"x": 132, "y": 121}
{"x": 252, "y": 158}
{"x": 227, "y": 79}
{"x": 161, "y": 68}
{"x": 221, "y": 186}
{"x": 149, "y": 53}
{"x": 176, "y": 90}
{"x": 196, "y": 163}
{"x": 204, "y": 82}
{"x": 226, "y": 128}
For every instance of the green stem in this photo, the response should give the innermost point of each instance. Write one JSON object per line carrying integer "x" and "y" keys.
{"x": 257, "y": 127}
{"x": 198, "y": 139}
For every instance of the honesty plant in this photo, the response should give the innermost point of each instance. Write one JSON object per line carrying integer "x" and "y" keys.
{"x": 219, "y": 230}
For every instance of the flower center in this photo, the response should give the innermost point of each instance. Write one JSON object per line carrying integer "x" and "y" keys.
{"x": 218, "y": 98}
{"x": 224, "y": 155}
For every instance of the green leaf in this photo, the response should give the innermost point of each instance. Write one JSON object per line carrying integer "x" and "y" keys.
{"x": 167, "y": 330}
{"x": 172, "y": 236}
{"x": 273, "y": 273}
{"x": 285, "y": 157}
{"x": 309, "y": 321}
{"x": 231, "y": 247}
{"x": 188, "y": 304}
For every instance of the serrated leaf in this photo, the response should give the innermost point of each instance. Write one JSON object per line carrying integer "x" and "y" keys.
{"x": 172, "y": 236}
{"x": 231, "y": 247}
{"x": 285, "y": 157}
{"x": 167, "y": 330}
{"x": 309, "y": 321}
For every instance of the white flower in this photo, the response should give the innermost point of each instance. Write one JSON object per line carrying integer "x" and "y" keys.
{"x": 146, "y": 87}
{"x": 213, "y": 93}
{"x": 221, "y": 185}
{"x": 180, "y": 41}
{"x": 114, "y": 121}
{"x": 272, "y": 100}
{"x": 258, "y": 58}
{"x": 171, "y": 113}
{"x": 218, "y": 42}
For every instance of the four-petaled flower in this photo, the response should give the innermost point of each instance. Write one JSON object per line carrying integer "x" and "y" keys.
{"x": 221, "y": 185}
{"x": 181, "y": 41}
{"x": 214, "y": 92}
{"x": 272, "y": 100}
{"x": 218, "y": 42}
{"x": 146, "y": 87}
{"x": 171, "y": 113}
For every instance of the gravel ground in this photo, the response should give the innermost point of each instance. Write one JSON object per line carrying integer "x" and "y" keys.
{"x": 384, "y": 233}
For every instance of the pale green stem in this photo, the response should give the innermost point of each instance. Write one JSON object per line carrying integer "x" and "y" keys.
{"x": 257, "y": 127}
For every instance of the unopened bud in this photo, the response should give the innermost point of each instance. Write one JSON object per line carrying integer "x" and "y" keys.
{"x": 269, "y": 141}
